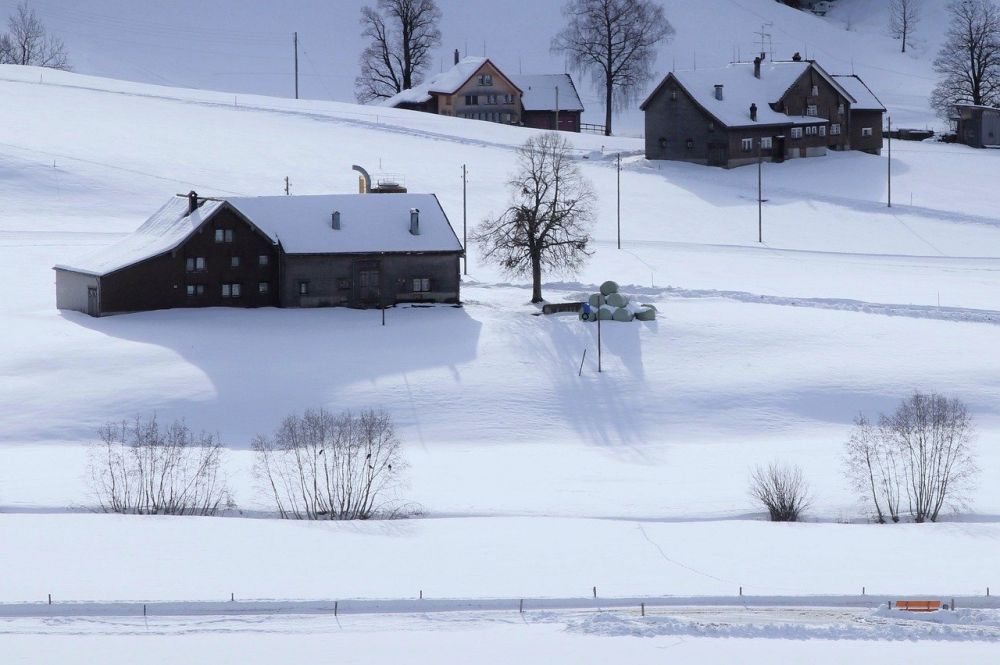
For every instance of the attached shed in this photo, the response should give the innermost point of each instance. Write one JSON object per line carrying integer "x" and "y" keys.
{"x": 302, "y": 251}
{"x": 978, "y": 126}
{"x": 546, "y": 97}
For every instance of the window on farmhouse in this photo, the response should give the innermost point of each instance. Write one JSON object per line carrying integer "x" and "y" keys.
{"x": 195, "y": 263}
{"x": 822, "y": 130}
{"x": 303, "y": 288}
{"x": 815, "y": 90}
{"x": 812, "y": 110}
{"x": 866, "y": 131}
{"x": 196, "y": 289}
{"x": 263, "y": 260}
{"x": 231, "y": 290}
{"x": 234, "y": 262}
{"x": 263, "y": 288}
{"x": 765, "y": 143}
{"x": 223, "y": 235}
{"x": 472, "y": 100}
{"x": 796, "y": 132}
{"x": 840, "y": 108}
{"x": 747, "y": 145}
{"x": 811, "y": 130}
{"x": 491, "y": 99}
{"x": 421, "y": 284}
{"x": 485, "y": 79}
{"x": 835, "y": 129}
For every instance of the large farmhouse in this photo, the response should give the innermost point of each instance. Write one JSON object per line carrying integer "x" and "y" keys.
{"x": 761, "y": 110}
{"x": 476, "y": 89}
{"x": 287, "y": 251}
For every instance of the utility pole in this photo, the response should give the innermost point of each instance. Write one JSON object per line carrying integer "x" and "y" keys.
{"x": 760, "y": 191}
{"x": 557, "y": 108}
{"x": 890, "y": 161}
{"x": 598, "y": 339}
{"x": 465, "y": 231}
{"x": 295, "y": 41}
{"x": 619, "y": 200}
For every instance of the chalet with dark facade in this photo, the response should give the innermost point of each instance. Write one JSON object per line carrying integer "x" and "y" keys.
{"x": 762, "y": 110}
{"x": 476, "y": 89}
{"x": 286, "y": 251}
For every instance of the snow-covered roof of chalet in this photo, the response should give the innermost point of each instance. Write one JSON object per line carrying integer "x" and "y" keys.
{"x": 164, "y": 231}
{"x": 538, "y": 92}
{"x": 368, "y": 223}
{"x": 864, "y": 98}
{"x": 446, "y": 83}
{"x": 740, "y": 89}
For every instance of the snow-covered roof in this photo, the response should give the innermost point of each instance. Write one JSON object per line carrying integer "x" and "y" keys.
{"x": 864, "y": 98}
{"x": 740, "y": 89}
{"x": 538, "y": 92}
{"x": 368, "y": 223}
{"x": 164, "y": 231}
{"x": 446, "y": 83}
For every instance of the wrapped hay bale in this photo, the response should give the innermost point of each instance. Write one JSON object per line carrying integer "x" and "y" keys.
{"x": 623, "y": 315}
{"x": 596, "y": 299}
{"x": 609, "y": 287}
{"x": 605, "y": 313}
{"x": 648, "y": 314}
{"x": 618, "y": 300}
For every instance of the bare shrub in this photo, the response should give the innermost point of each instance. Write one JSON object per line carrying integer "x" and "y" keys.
{"x": 922, "y": 451}
{"x": 782, "y": 490}
{"x": 321, "y": 466}
{"x": 138, "y": 467}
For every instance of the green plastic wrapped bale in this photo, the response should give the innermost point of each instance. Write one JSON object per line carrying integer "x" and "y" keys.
{"x": 596, "y": 299}
{"x": 622, "y": 314}
{"x": 604, "y": 314}
{"x": 652, "y": 307}
{"x": 618, "y": 300}
{"x": 646, "y": 315}
{"x": 609, "y": 287}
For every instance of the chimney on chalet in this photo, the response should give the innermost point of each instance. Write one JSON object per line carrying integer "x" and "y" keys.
{"x": 718, "y": 91}
{"x": 753, "y": 112}
{"x": 756, "y": 66}
{"x": 415, "y": 221}
{"x": 456, "y": 56}
{"x": 335, "y": 220}
{"x": 192, "y": 201}
{"x": 797, "y": 57}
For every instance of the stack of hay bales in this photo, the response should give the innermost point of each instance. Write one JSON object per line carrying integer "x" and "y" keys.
{"x": 610, "y": 305}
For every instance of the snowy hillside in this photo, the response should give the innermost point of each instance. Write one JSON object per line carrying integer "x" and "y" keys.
{"x": 534, "y": 475}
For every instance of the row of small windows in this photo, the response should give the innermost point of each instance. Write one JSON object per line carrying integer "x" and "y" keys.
{"x": 231, "y": 290}
{"x": 491, "y": 116}
{"x": 200, "y": 263}
{"x": 416, "y": 284}
{"x": 474, "y": 100}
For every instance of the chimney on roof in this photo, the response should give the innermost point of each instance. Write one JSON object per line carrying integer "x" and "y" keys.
{"x": 797, "y": 57}
{"x": 335, "y": 220}
{"x": 756, "y": 66}
{"x": 718, "y": 91}
{"x": 415, "y": 221}
{"x": 192, "y": 201}
{"x": 456, "y": 56}
{"x": 753, "y": 112}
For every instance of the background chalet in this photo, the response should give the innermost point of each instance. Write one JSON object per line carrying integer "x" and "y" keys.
{"x": 286, "y": 251}
{"x": 773, "y": 110}
{"x": 475, "y": 88}
{"x": 977, "y": 126}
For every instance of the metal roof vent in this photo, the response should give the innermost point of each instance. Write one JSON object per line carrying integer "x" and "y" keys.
{"x": 415, "y": 221}
{"x": 335, "y": 220}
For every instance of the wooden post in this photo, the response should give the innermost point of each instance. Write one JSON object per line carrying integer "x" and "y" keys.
{"x": 598, "y": 339}
{"x": 288, "y": 187}
{"x": 760, "y": 193}
{"x": 421, "y": 594}
{"x": 741, "y": 592}
{"x": 232, "y": 597}
{"x": 619, "y": 200}
{"x": 144, "y": 609}
{"x": 335, "y": 603}
{"x": 520, "y": 606}
{"x": 595, "y": 592}
{"x": 465, "y": 232}
{"x": 580, "y": 373}
{"x": 295, "y": 40}
{"x": 862, "y": 591}
{"x": 642, "y": 607}
{"x": 50, "y": 596}
{"x": 889, "y": 162}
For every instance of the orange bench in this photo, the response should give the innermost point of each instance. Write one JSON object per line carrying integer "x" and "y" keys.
{"x": 918, "y": 605}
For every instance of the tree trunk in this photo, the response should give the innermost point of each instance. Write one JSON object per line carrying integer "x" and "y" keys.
{"x": 608, "y": 95}
{"x": 536, "y": 277}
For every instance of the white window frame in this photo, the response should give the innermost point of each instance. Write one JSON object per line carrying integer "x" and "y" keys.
{"x": 421, "y": 284}
{"x": 815, "y": 91}
{"x": 835, "y": 129}
{"x": 747, "y": 145}
{"x": 866, "y": 132}
{"x": 822, "y": 130}
{"x": 811, "y": 130}
{"x": 485, "y": 79}
{"x": 766, "y": 143}
{"x": 796, "y": 132}
{"x": 263, "y": 288}
{"x": 234, "y": 262}
{"x": 263, "y": 259}
{"x": 840, "y": 108}
{"x": 812, "y": 110}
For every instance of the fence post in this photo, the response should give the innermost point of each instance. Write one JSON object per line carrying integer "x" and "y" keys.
{"x": 952, "y": 604}
{"x": 335, "y": 608}
{"x": 741, "y": 592}
{"x": 232, "y": 597}
{"x": 595, "y": 592}
{"x": 50, "y": 597}
{"x": 862, "y": 591}
{"x": 144, "y": 609}
{"x": 642, "y": 606}
{"x": 520, "y": 606}
{"x": 421, "y": 594}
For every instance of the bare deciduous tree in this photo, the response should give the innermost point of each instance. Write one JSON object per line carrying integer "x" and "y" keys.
{"x": 547, "y": 226}
{"x": 903, "y": 18}
{"x": 140, "y": 468}
{"x": 321, "y": 466}
{"x": 923, "y": 451}
{"x": 614, "y": 41}
{"x": 969, "y": 60}
{"x": 402, "y": 34}
{"x": 782, "y": 490}
{"x": 28, "y": 43}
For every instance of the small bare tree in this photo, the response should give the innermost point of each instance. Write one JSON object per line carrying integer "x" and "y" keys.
{"x": 903, "y": 18}
{"x": 969, "y": 60}
{"x": 923, "y": 450}
{"x": 782, "y": 490}
{"x": 320, "y": 466}
{"x": 547, "y": 226}
{"x": 402, "y": 35}
{"x": 138, "y": 467}
{"x": 28, "y": 43}
{"x": 615, "y": 42}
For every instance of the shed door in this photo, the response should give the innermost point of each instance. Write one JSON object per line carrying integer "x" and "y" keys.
{"x": 369, "y": 283}
{"x": 92, "y": 305}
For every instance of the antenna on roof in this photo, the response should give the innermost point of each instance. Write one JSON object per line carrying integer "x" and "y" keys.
{"x": 765, "y": 39}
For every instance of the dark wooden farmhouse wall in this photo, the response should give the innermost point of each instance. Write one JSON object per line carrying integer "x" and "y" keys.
{"x": 368, "y": 279}
{"x": 796, "y": 101}
{"x": 569, "y": 121}
{"x": 672, "y": 120}
{"x": 866, "y": 119}
{"x": 162, "y": 282}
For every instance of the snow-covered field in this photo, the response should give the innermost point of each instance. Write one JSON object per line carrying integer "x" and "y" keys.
{"x": 532, "y": 479}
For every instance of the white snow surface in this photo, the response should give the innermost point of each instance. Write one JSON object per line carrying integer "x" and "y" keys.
{"x": 368, "y": 223}
{"x": 865, "y": 99}
{"x": 539, "y": 92}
